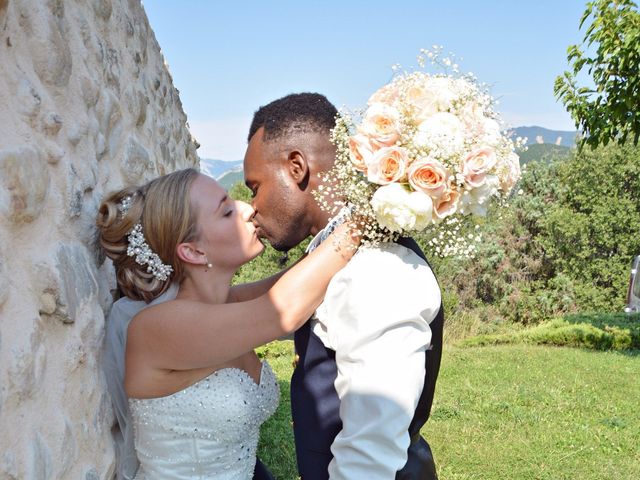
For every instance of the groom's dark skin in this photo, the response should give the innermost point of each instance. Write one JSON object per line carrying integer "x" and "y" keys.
{"x": 282, "y": 174}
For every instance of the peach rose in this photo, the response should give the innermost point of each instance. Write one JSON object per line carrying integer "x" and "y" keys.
{"x": 428, "y": 176}
{"x": 476, "y": 165}
{"x": 447, "y": 204}
{"x": 381, "y": 124}
{"x": 360, "y": 151}
{"x": 387, "y": 165}
{"x": 387, "y": 94}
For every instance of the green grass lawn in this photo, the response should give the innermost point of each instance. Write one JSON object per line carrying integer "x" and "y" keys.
{"x": 511, "y": 412}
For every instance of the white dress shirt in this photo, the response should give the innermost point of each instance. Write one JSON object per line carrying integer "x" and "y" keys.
{"x": 375, "y": 316}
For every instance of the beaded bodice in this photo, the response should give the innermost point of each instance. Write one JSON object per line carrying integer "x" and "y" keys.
{"x": 208, "y": 430}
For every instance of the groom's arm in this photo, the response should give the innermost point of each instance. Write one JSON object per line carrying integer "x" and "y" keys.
{"x": 378, "y": 319}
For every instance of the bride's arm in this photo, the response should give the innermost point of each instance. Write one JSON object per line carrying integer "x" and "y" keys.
{"x": 182, "y": 334}
{"x": 249, "y": 291}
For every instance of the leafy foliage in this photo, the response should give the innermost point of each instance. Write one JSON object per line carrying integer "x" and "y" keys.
{"x": 544, "y": 152}
{"x": 608, "y": 110}
{"x": 599, "y": 332}
{"x": 563, "y": 245}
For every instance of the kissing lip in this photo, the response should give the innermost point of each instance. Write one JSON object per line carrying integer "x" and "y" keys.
{"x": 259, "y": 232}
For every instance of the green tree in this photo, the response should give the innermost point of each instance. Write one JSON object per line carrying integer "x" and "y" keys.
{"x": 592, "y": 232}
{"x": 562, "y": 246}
{"x": 608, "y": 110}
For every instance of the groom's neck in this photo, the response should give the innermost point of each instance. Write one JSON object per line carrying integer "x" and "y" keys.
{"x": 320, "y": 220}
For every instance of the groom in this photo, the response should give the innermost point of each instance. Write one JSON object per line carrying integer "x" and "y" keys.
{"x": 368, "y": 360}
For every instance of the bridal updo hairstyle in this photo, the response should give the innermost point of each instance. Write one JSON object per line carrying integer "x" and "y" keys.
{"x": 163, "y": 208}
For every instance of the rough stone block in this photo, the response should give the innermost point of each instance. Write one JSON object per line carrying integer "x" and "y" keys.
{"x": 4, "y": 281}
{"x": 103, "y": 9}
{"x": 26, "y": 367}
{"x": 78, "y": 282}
{"x": 25, "y": 179}
{"x": 51, "y": 52}
{"x": 41, "y": 464}
{"x": 8, "y": 467}
{"x": 51, "y": 123}
{"x": 135, "y": 162}
{"x": 28, "y": 98}
{"x": 77, "y": 132}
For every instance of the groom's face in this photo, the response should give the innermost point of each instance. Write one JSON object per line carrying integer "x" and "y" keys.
{"x": 278, "y": 201}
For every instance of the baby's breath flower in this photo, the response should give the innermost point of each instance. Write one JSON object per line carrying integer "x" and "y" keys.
{"x": 447, "y": 119}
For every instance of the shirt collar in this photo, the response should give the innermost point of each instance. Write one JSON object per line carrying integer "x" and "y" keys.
{"x": 326, "y": 231}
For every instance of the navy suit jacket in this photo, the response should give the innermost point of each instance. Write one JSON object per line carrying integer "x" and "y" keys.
{"x": 315, "y": 404}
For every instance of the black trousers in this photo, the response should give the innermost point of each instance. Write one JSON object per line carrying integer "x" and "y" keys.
{"x": 261, "y": 472}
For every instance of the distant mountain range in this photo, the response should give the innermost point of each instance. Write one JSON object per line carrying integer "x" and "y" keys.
{"x": 543, "y": 143}
{"x": 539, "y": 135}
{"x": 218, "y": 168}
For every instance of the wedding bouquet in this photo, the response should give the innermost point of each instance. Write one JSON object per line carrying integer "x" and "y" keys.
{"x": 427, "y": 150}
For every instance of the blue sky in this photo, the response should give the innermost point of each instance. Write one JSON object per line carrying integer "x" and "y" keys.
{"x": 229, "y": 57}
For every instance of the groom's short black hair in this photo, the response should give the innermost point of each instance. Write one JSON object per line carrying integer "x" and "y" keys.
{"x": 295, "y": 113}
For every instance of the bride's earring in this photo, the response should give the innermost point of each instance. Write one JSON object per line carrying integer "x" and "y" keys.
{"x": 207, "y": 264}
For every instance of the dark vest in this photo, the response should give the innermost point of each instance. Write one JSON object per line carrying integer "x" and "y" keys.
{"x": 315, "y": 403}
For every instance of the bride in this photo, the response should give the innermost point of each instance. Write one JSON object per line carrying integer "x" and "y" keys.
{"x": 196, "y": 393}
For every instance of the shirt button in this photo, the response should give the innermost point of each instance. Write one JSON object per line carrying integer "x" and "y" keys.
{"x": 296, "y": 360}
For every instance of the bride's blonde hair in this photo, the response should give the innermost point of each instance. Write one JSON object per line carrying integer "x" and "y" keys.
{"x": 164, "y": 210}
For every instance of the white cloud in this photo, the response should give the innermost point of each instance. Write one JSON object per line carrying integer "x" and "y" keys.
{"x": 223, "y": 139}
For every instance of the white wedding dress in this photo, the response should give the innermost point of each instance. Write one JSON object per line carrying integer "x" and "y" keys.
{"x": 208, "y": 430}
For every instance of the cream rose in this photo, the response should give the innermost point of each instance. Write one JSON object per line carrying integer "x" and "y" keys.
{"x": 476, "y": 165}
{"x": 422, "y": 206}
{"x": 428, "y": 176}
{"x": 511, "y": 173}
{"x": 397, "y": 209}
{"x": 360, "y": 151}
{"x": 387, "y": 165}
{"x": 381, "y": 123}
{"x": 442, "y": 130}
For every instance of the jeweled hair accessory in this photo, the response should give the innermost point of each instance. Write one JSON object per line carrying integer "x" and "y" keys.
{"x": 139, "y": 248}
{"x": 125, "y": 204}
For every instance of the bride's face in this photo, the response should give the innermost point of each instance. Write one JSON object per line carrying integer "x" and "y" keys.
{"x": 225, "y": 231}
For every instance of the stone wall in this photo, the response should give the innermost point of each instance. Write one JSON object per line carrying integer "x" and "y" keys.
{"x": 86, "y": 106}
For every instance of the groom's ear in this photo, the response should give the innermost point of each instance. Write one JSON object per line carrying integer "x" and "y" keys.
{"x": 298, "y": 168}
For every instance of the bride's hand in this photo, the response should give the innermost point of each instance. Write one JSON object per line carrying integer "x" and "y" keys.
{"x": 346, "y": 237}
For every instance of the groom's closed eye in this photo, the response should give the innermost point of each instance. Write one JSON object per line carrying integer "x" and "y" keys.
{"x": 253, "y": 188}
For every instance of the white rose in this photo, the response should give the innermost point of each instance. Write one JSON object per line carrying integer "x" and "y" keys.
{"x": 398, "y": 210}
{"x": 490, "y": 131}
{"x": 433, "y": 95}
{"x": 476, "y": 200}
{"x": 422, "y": 205}
{"x": 442, "y": 130}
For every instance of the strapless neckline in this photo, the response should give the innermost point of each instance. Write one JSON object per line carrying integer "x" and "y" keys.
{"x": 207, "y": 430}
